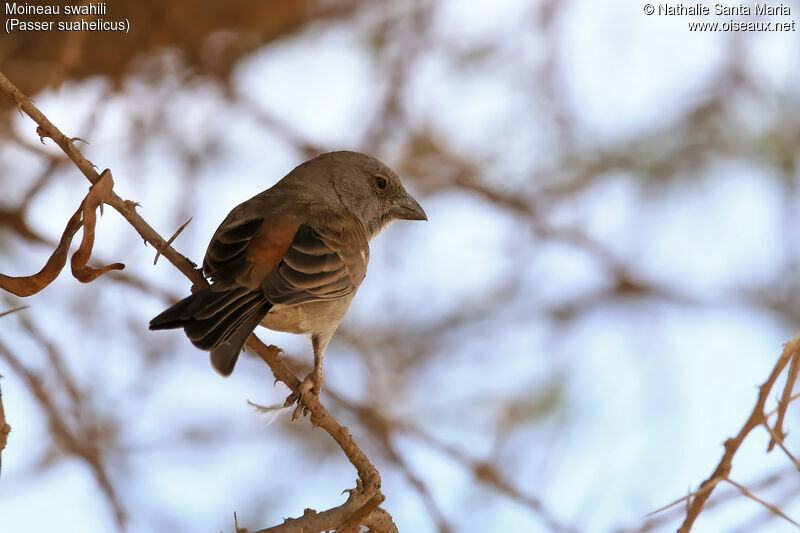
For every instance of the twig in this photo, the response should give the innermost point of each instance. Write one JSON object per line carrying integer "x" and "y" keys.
{"x": 783, "y": 404}
{"x": 791, "y": 399}
{"x": 379, "y": 521}
{"x": 661, "y": 517}
{"x": 777, "y": 439}
{"x": 759, "y": 522}
{"x": 705, "y": 488}
{"x": 332, "y": 518}
{"x": 771, "y": 508}
{"x": 353, "y": 524}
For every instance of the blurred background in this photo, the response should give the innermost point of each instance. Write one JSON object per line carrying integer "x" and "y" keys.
{"x": 609, "y": 270}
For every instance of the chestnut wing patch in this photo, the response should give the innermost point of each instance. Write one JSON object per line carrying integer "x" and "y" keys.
{"x": 291, "y": 263}
{"x": 247, "y": 251}
{"x": 312, "y": 269}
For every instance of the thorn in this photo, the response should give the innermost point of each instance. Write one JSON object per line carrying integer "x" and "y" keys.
{"x": 42, "y": 134}
{"x": 236, "y": 525}
{"x": 171, "y": 239}
{"x": 106, "y": 172}
{"x": 73, "y": 139}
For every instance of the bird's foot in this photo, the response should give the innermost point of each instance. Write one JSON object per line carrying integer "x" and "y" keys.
{"x": 314, "y": 380}
{"x": 300, "y": 409}
{"x": 312, "y": 384}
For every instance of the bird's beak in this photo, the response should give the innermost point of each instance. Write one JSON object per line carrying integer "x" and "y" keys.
{"x": 406, "y": 208}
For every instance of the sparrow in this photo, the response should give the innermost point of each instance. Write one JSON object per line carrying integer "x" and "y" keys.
{"x": 292, "y": 257}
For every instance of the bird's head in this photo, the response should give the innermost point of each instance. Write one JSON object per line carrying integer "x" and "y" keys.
{"x": 368, "y": 189}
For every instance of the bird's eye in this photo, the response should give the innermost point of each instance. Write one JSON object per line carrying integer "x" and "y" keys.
{"x": 380, "y": 182}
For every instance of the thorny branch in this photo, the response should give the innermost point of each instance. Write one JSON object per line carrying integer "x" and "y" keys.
{"x": 758, "y": 417}
{"x": 365, "y": 498}
{"x": 783, "y": 405}
{"x": 673, "y": 512}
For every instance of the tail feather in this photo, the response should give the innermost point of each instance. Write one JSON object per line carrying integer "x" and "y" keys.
{"x": 205, "y": 333}
{"x": 217, "y": 319}
{"x": 218, "y": 305}
{"x": 224, "y": 356}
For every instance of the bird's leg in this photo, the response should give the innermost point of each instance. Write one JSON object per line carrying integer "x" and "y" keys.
{"x": 312, "y": 382}
{"x": 316, "y": 377}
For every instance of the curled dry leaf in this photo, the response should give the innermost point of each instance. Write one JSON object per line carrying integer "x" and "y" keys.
{"x": 84, "y": 216}
{"x": 98, "y": 193}
{"x": 27, "y": 285}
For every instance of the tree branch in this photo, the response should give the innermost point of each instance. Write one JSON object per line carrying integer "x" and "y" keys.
{"x": 757, "y": 417}
{"x": 354, "y": 512}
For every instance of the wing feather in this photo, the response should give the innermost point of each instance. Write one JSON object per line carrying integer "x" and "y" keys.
{"x": 288, "y": 261}
{"x": 321, "y": 264}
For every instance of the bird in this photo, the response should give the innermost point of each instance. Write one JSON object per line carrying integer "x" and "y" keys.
{"x": 292, "y": 257}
